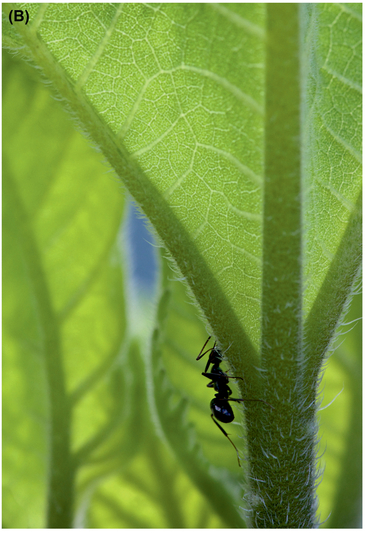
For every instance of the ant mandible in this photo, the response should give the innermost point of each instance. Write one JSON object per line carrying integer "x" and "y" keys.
{"x": 221, "y": 409}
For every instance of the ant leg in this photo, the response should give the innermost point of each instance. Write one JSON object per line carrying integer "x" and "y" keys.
{"x": 226, "y": 434}
{"x": 210, "y": 374}
{"x": 248, "y": 400}
{"x": 201, "y": 351}
{"x": 211, "y": 350}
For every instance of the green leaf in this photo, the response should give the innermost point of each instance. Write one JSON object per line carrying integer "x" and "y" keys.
{"x": 63, "y": 302}
{"x": 341, "y": 426}
{"x": 167, "y": 143}
{"x": 237, "y": 129}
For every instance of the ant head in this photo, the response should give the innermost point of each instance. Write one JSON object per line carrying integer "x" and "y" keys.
{"x": 215, "y": 354}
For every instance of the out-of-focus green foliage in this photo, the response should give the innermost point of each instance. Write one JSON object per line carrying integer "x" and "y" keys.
{"x": 106, "y": 419}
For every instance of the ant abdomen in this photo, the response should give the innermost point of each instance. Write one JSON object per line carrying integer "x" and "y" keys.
{"x": 221, "y": 410}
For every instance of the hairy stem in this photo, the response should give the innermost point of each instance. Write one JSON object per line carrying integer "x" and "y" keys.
{"x": 281, "y": 448}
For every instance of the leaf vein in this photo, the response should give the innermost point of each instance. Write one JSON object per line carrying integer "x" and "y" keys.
{"x": 102, "y": 45}
{"x": 233, "y": 89}
{"x": 343, "y": 79}
{"x": 350, "y": 149}
{"x": 237, "y": 20}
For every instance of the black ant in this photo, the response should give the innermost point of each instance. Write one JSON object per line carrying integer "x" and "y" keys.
{"x": 221, "y": 409}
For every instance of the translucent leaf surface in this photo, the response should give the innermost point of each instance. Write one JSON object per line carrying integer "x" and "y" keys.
{"x": 237, "y": 129}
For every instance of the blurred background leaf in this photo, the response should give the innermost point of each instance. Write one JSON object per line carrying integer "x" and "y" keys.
{"x": 60, "y": 253}
{"x": 67, "y": 238}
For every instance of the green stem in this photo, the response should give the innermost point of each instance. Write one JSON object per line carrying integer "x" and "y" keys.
{"x": 281, "y": 448}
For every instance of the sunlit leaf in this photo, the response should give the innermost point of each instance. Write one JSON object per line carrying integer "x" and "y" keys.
{"x": 237, "y": 130}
